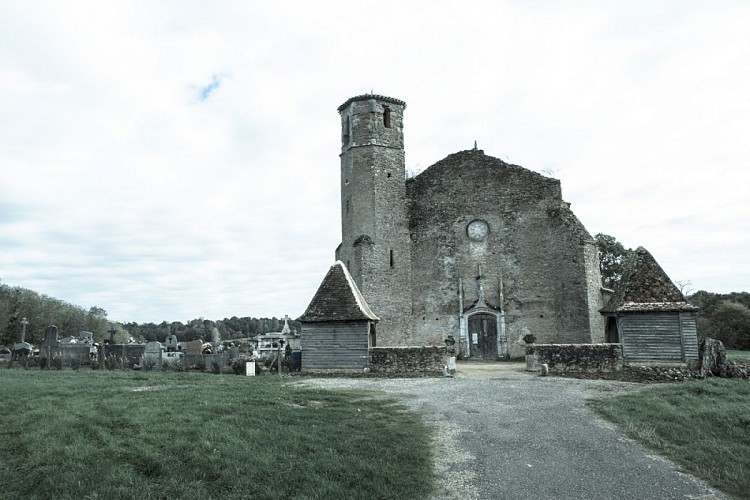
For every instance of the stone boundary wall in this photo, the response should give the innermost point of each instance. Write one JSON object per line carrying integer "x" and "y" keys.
{"x": 428, "y": 360}
{"x": 579, "y": 357}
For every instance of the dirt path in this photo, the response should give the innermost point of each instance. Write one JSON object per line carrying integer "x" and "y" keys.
{"x": 502, "y": 432}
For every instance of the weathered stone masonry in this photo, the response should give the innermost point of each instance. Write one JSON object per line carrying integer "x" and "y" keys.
{"x": 580, "y": 358}
{"x": 526, "y": 265}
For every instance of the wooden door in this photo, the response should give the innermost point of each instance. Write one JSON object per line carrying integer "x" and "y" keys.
{"x": 483, "y": 336}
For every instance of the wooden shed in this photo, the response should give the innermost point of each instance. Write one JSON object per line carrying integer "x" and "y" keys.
{"x": 338, "y": 326}
{"x": 650, "y": 316}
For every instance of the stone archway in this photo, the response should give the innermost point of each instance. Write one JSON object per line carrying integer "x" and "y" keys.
{"x": 483, "y": 331}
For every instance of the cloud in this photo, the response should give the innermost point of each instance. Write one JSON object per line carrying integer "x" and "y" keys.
{"x": 118, "y": 191}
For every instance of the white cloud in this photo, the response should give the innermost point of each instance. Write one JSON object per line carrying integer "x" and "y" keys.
{"x": 121, "y": 188}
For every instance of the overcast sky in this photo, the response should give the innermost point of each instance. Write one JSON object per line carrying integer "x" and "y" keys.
{"x": 175, "y": 160}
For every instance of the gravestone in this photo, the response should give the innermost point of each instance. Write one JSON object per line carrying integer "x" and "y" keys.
{"x": 50, "y": 345}
{"x": 153, "y": 351}
{"x": 171, "y": 343}
{"x": 195, "y": 347}
{"x": 51, "y": 339}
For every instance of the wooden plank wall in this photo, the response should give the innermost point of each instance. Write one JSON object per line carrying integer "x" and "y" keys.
{"x": 689, "y": 335}
{"x": 334, "y": 345}
{"x": 651, "y": 337}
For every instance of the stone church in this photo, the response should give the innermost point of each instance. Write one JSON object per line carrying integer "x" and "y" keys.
{"x": 472, "y": 247}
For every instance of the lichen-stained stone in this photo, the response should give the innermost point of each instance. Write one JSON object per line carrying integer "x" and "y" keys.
{"x": 472, "y": 234}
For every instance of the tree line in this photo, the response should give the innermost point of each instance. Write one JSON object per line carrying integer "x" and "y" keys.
{"x": 208, "y": 330}
{"x": 42, "y": 311}
{"x": 722, "y": 316}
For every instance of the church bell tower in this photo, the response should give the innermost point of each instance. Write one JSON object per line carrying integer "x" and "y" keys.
{"x": 375, "y": 243}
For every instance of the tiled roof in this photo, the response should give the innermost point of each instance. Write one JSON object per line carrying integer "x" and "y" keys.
{"x": 367, "y": 97}
{"x": 645, "y": 287}
{"x": 338, "y": 299}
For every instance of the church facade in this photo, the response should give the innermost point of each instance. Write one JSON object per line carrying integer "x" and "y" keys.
{"x": 473, "y": 247}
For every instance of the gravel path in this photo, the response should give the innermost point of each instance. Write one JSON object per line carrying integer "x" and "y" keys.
{"x": 503, "y": 433}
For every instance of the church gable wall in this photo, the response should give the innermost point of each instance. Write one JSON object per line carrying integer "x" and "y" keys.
{"x": 535, "y": 245}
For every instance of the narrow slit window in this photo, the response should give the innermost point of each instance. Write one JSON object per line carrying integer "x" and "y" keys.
{"x": 387, "y": 116}
{"x": 390, "y": 257}
{"x": 347, "y": 206}
{"x": 345, "y": 134}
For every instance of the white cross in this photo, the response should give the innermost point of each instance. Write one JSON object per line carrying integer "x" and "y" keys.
{"x": 24, "y": 322}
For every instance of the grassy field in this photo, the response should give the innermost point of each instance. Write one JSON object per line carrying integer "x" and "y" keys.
{"x": 124, "y": 434}
{"x": 704, "y": 426}
{"x": 738, "y": 356}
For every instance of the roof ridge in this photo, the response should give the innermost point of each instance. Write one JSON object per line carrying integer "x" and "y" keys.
{"x": 338, "y": 299}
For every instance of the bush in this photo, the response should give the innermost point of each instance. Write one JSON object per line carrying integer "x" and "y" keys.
{"x": 113, "y": 363}
{"x": 179, "y": 365}
{"x": 148, "y": 364}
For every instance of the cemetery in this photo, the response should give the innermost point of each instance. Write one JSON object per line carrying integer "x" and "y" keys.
{"x": 261, "y": 354}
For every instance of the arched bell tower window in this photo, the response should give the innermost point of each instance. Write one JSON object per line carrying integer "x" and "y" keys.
{"x": 387, "y": 117}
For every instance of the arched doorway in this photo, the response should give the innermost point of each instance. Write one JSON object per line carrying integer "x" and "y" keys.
{"x": 483, "y": 336}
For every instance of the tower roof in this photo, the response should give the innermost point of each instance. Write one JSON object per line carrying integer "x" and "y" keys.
{"x": 367, "y": 97}
{"x": 645, "y": 287}
{"x": 338, "y": 299}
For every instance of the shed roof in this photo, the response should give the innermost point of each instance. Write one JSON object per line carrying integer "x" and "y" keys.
{"x": 338, "y": 299}
{"x": 645, "y": 287}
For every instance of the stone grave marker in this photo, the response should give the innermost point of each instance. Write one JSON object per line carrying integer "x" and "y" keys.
{"x": 51, "y": 337}
{"x": 171, "y": 343}
{"x": 153, "y": 351}
{"x": 195, "y": 347}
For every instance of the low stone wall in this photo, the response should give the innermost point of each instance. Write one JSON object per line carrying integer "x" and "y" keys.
{"x": 579, "y": 357}
{"x": 408, "y": 360}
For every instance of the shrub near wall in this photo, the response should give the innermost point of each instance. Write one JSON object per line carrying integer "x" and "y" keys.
{"x": 580, "y": 357}
{"x": 408, "y": 360}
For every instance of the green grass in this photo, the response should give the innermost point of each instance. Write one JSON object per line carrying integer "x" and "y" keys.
{"x": 121, "y": 434}
{"x": 739, "y": 356}
{"x": 704, "y": 426}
